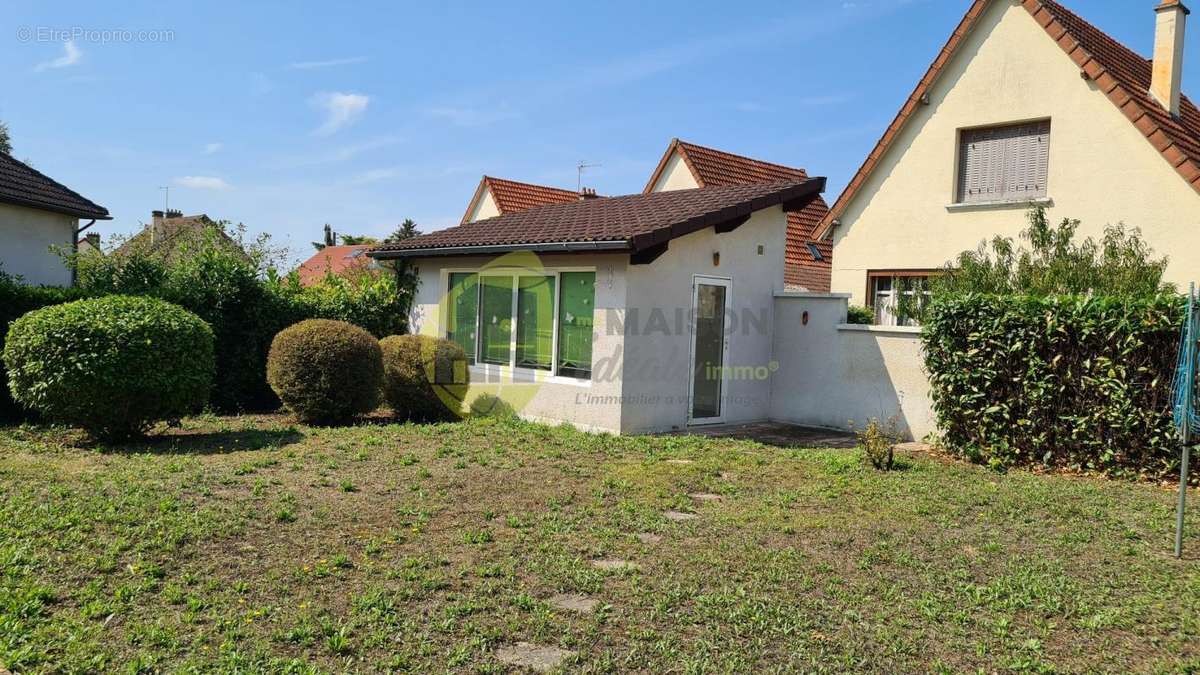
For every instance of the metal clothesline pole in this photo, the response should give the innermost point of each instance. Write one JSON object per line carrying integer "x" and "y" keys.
{"x": 1185, "y": 428}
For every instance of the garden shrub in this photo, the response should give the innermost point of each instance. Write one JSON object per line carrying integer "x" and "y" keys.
{"x": 424, "y": 378}
{"x": 326, "y": 371}
{"x": 857, "y": 314}
{"x": 112, "y": 365}
{"x": 245, "y": 303}
{"x": 17, "y": 299}
{"x": 1067, "y": 381}
{"x": 878, "y": 441}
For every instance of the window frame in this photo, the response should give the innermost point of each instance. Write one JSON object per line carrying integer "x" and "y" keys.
{"x": 511, "y": 368}
{"x": 894, "y": 275}
{"x": 957, "y": 200}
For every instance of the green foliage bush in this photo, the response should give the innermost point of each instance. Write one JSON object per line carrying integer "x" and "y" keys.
{"x": 112, "y": 365}
{"x": 1067, "y": 381}
{"x": 15, "y": 300}
{"x": 858, "y": 314}
{"x": 326, "y": 371}
{"x": 424, "y": 378}
{"x": 245, "y": 303}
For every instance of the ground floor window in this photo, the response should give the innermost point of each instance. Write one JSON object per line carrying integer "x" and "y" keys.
{"x": 536, "y": 321}
{"x": 896, "y": 296}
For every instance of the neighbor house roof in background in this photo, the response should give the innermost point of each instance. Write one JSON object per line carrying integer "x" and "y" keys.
{"x": 22, "y": 184}
{"x": 512, "y": 196}
{"x": 1118, "y": 71}
{"x": 626, "y": 223}
{"x": 335, "y": 260}
{"x": 712, "y": 167}
{"x": 165, "y": 237}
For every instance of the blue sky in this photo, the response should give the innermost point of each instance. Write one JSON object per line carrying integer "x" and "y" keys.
{"x": 285, "y": 116}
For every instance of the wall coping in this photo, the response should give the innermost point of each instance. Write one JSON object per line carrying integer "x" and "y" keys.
{"x": 812, "y": 296}
{"x": 895, "y": 330}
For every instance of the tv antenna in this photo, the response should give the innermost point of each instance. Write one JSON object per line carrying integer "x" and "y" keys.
{"x": 583, "y": 165}
{"x": 166, "y": 189}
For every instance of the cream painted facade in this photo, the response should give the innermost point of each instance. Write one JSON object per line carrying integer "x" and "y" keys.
{"x": 26, "y": 238}
{"x": 675, "y": 176}
{"x": 1101, "y": 169}
{"x": 484, "y": 207}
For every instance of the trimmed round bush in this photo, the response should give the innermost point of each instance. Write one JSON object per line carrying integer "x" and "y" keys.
{"x": 424, "y": 378}
{"x": 326, "y": 371}
{"x": 113, "y": 365}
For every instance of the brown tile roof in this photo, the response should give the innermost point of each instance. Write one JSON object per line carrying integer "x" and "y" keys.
{"x": 1118, "y": 71}
{"x": 168, "y": 238}
{"x": 712, "y": 167}
{"x": 512, "y": 196}
{"x": 22, "y": 184}
{"x": 627, "y": 223}
{"x": 335, "y": 260}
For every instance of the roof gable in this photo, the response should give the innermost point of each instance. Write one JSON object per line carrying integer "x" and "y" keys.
{"x": 511, "y": 196}
{"x": 1119, "y": 72}
{"x": 713, "y": 168}
{"x": 26, "y": 186}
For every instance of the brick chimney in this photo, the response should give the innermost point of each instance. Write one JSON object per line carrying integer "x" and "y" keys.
{"x": 1169, "y": 27}
{"x": 156, "y": 217}
{"x": 587, "y": 193}
{"x": 93, "y": 238}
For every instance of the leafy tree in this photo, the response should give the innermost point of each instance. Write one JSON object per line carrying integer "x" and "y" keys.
{"x": 5, "y": 139}
{"x": 406, "y": 230}
{"x": 354, "y": 240}
{"x": 330, "y": 239}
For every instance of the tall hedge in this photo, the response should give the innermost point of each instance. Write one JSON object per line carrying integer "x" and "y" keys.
{"x": 1072, "y": 382}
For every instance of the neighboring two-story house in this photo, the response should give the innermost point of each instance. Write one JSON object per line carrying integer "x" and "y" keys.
{"x": 1026, "y": 103}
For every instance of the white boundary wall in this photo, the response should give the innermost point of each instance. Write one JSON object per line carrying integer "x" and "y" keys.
{"x": 831, "y": 374}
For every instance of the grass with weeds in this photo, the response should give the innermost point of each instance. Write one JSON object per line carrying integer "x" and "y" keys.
{"x": 247, "y": 544}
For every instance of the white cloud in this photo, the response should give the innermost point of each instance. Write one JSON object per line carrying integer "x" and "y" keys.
{"x": 314, "y": 65}
{"x": 211, "y": 148}
{"x": 340, "y": 110}
{"x": 203, "y": 182}
{"x": 71, "y": 56}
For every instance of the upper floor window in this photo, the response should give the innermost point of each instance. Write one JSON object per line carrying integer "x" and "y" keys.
{"x": 1003, "y": 164}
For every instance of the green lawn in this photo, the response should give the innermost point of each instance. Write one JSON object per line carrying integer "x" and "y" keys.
{"x": 248, "y": 544}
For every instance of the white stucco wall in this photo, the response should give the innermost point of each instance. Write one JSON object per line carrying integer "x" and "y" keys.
{"x": 26, "y": 236}
{"x": 832, "y": 375}
{"x": 593, "y": 405}
{"x": 675, "y": 176}
{"x": 484, "y": 207}
{"x": 1101, "y": 169}
{"x": 658, "y": 362}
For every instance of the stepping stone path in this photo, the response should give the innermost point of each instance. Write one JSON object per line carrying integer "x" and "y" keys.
{"x": 574, "y": 602}
{"x": 679, "y": 516}
{"x": 705, "y": 497}
{"x": 614, "y": 564}
{"x": 649, "y": 538}
{"x": 539, "y": 658}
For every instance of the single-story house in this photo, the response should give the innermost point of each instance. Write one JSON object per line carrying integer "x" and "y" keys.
{"x": 1027, "y": 103}
{"x": 336, "y": 260}
{"x": 687, "y": 165}
{"x": 38, "y": 214}
{"x": 628, "y": 314}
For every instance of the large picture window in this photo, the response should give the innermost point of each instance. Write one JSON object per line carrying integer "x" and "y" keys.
{"x": 541, "y": 322}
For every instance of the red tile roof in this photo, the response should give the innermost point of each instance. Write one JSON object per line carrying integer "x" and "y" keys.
{"x": 512, "y": 196}
{"x": 1118, "y": 71}
{"x": 628, "y": 223}
{"x": 334, "y": 260}
{"x": 713, "y": 167}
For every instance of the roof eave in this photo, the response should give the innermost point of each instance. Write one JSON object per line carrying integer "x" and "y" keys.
{"x": 78, "y": 213}
{"x": 612, "y": 246}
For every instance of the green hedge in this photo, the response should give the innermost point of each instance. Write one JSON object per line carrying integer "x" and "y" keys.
{"x": 1071, "y": 382}
{"x": 113, "y": 365}
{"x": 17, "y": 299}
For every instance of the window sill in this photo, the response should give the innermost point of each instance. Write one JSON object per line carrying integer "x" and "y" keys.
{"x": 487, "y": 373}
{"x": 1000, "y": 204}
